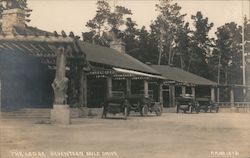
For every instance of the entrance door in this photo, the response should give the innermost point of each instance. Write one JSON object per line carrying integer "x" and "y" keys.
{"x": 166, "y": 98}
{"x": 96, "y": 92}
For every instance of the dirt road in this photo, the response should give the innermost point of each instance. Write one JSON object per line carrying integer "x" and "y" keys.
{"x": 222, "y": 135}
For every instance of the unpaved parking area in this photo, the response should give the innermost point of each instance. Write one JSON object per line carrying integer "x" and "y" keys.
{"x": 171, "y": 135}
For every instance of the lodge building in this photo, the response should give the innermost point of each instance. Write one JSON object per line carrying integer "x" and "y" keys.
{"x": 39, "y": 69}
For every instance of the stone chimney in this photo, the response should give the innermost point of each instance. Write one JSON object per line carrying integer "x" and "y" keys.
{"x": 118, "y": 45}
{"x": 11, "y": 18}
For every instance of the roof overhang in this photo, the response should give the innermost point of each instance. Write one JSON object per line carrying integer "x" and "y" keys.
{"x": 133, "y": 72}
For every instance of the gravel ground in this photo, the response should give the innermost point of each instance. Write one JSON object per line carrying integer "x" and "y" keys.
{"x": 218, "y": 135}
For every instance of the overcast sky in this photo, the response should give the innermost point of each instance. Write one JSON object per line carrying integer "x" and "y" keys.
{"x": 72, "y": 15}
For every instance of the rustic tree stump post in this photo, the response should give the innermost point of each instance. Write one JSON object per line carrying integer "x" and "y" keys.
{"x": 60, "y": 114}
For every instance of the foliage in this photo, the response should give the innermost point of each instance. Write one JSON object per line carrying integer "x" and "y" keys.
{"x": 104, "y": 21}
{"x": 201, "y": 45}
{"x": 228, "y": 49}
{"x": 130, "y": 35}
{"x": 166, "y": 28}
{"x": 11, "y": 4}
{"x": 170, "y": 40}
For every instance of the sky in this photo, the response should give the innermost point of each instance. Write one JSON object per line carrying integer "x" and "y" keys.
{"x": 72, "y": 15}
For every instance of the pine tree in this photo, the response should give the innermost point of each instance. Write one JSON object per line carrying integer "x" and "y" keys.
{"x": 201, "y": 46}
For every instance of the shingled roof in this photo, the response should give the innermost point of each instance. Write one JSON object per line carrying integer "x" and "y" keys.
{"x": 182, "y": 76}
{"x": 111, "y": 57}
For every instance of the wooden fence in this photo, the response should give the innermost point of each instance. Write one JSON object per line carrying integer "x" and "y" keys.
{"x": 235, "y": 104}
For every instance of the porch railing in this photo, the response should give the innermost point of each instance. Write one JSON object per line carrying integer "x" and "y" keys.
{"x": 235, "y": 104}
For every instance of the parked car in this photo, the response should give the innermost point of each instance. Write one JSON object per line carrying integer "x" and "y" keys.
{"x": 143, "y": 104}
{"x": 187, "y": 103}
{"x": 205, "y": 104}
{"x": 114, "y": 105}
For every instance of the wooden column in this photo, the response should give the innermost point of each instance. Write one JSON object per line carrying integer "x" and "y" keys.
{"x": 212, "y": 94}
{"x": 83, "y": 89}
{"x": 145, "y": 88}
{"x": 183, "y": 90}
{"x": 128, "y": 86}
{"x": 60, "y": 114}
{"x": 232, "y": 96}
{"x": 109, "y": 86}
{"x": 193, "y": 91}
{"x": 160, "y": 93}
{"x": 218, "y": 94}
{"x": 172, "y": 95}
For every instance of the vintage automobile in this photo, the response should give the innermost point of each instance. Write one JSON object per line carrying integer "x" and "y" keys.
{"x": 143, "y": 104}
{"x": 187, "y": 103}
{"x": 114, "y": 105}
{"x": 205, "y": 104}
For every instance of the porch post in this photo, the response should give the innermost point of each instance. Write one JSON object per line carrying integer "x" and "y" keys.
{"x": 232, "y": 97}
{"x": 218, "y": 94}
{"x": 109, "y": 86}
{"x": 128, "y": 86}
{"x": 60, "y": 114}
{"x": 83, "y": 89}
{"x": 183, "y": 90}
{"x": 145, "y": 87}
{"x": 212, "y": 94}
{"x": 172, "y": 95}
{"x": 160, "y": 93}
{"x": 193, "y": 91}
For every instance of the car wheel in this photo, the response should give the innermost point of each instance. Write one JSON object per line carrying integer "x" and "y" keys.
{"x": 158, "y": 111}
{"x": 217, "y": 110}
{"x": 125, "y": 113}
{"x": 128, "y": 113}
{"x": 191, "y": 109}
{"x": 197, "y": 111}
{"x": 144, "y": 110}
{"x": 104, "y": 113}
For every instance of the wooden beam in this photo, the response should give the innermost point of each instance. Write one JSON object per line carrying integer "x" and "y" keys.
{"x": 48, "y": 39}
{"x": 8, "y": 46}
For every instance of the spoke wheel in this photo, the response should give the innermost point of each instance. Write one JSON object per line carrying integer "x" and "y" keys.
{"x": 144, "y": 110}
{"x": 158, "y": 111}
{"x": 125, "y": 113}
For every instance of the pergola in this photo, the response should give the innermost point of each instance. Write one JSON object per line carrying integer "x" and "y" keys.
{"x": 59, "y": 53}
